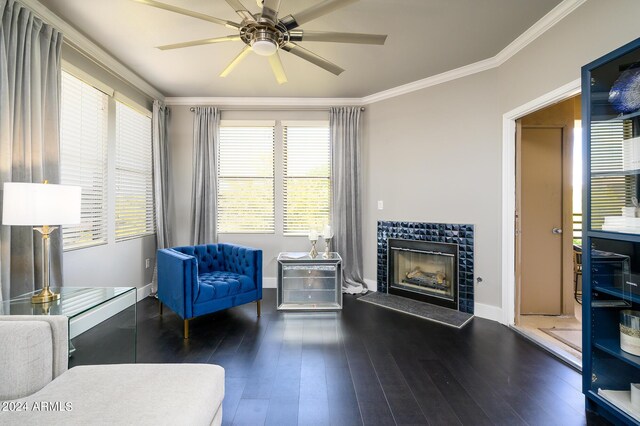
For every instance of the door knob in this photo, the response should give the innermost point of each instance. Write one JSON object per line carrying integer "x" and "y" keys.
{"x": 557, "y": 230}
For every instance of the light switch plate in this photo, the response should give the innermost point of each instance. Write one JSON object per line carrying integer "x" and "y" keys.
{"x": 380, "y": 205}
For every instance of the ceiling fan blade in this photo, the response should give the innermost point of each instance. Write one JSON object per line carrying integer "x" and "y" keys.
{"x": 199, "y": 42}
{"x": 270, "y": 11}
{"x": 191, "y": 13}
{"x": 320, "y": 9}
{"x": 303, "y": 35}
{"x": 241, "y": 10}
{"x": 312, "y": 57}
{"x": 236, "y": 61}
{"x": 276, "y": 67}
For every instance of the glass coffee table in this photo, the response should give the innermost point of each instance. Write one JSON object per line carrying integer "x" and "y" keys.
{"x": 102, "y": 321}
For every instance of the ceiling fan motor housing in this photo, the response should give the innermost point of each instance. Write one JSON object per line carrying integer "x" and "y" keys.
{"x": 263, "y": 39}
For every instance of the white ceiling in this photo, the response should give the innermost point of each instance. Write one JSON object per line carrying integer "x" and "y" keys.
{"x": 426, "y": 37}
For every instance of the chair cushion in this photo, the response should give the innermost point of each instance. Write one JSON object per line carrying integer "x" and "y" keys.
{"x": 219, "y": 284}
{"x": 128, "y": 394}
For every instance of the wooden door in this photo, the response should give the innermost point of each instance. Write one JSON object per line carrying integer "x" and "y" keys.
{"x": 541, "y": 220}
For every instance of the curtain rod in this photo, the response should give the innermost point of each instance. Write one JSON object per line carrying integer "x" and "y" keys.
{"x": 192, "y": 109}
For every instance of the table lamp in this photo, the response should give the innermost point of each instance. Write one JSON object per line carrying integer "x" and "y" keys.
{"x": 41, "y": 205}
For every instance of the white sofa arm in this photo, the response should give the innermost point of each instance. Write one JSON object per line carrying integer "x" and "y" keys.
{"x": 33, "y": 351}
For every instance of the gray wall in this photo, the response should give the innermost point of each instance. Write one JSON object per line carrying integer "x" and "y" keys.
{"x": 181, "y": 174}
{"x": 112, "y": 264}
{"x": 435, "y": 155}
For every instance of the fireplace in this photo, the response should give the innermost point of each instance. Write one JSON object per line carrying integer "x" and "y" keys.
{"x": 423, "y": 270}
{"x": 460, "y": 236}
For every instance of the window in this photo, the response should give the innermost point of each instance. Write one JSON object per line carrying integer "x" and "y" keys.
{"x": 246, "y": 178}
{"x": 83, "y": 159}
{"x": 306, "y": 177}
{"x": 135, "y": 216}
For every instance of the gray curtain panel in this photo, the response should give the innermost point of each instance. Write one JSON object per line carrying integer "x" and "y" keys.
{"x": 161, "y": 172}
{"x": 160, "y": 179}
{"x": 344, "y": 123}
{"x": 29, "y": 137}
{"x": 206, "y": 125}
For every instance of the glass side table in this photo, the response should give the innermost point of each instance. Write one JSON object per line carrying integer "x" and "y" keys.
{"x": 102, "y": 321}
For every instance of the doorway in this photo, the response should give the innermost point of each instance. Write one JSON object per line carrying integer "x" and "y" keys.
{"x": 547, "y": 305}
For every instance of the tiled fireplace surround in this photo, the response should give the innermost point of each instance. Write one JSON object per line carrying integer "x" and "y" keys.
{"x": 434, "y": 232}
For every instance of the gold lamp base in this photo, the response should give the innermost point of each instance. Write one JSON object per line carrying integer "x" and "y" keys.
{"x": 45, "y": 296}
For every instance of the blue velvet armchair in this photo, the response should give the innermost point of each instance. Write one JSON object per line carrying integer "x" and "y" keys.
{"x": 199, "y": 280}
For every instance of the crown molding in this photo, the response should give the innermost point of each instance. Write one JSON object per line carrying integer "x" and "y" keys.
{"x": 82, "y": 43}
{"x": 536, "y": 30}
{"x": 545, "y": 23}
{"x": 554, "y": 16}
{"x": 264, "y": 102}
{"x": 434, "y": 80}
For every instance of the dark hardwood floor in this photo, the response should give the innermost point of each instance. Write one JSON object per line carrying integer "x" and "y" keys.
{"x": 367, "y": 365}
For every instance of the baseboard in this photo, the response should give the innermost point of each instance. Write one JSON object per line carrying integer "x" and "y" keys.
{"x": 144, "y": 291}
{"x": 372, "y": 285}
{"x": 489, "y": 312}
{"x": 269, "y": 282}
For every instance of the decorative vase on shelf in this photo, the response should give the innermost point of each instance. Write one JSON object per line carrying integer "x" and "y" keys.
{"x": 630, "y": 331}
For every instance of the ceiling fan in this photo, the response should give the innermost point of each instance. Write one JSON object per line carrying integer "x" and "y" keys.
{"x": 265, "y": 33}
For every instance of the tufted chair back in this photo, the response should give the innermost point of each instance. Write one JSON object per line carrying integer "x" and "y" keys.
{"x": 210, "y": 257}
{"x": 237, "y": 260}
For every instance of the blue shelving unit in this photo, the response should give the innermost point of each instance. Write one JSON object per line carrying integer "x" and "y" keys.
{"x": 611, "y": 245}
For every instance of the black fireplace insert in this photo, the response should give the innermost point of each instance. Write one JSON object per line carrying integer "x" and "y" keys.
{"x": 423, "y": 270}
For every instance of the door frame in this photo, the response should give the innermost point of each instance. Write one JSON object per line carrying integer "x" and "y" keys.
{"x": 509, "y": 190}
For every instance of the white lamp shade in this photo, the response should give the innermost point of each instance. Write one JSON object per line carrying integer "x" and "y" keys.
{"x": 37, "y": 204}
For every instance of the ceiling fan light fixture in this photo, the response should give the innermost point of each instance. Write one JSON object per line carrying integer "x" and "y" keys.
{"x": 264, "y": 47}
{"x": 264, "y": 42}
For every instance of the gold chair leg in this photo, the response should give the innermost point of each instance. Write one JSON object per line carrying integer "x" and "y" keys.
{"x": 160, "y": 305}
{"x": 258, "y": 307}
{"x": 186, "y": 329}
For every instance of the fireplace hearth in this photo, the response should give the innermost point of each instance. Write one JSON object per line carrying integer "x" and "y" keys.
{"x": 417, "y": 277}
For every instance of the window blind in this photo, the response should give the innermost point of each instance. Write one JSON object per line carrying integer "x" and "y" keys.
{"x": 609, "y": 192}
{"x": 306, "y": 178}
{"x": 135, "y": 216}
{"x": 245, "y": 170}
{"x": 83, "y": 159}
